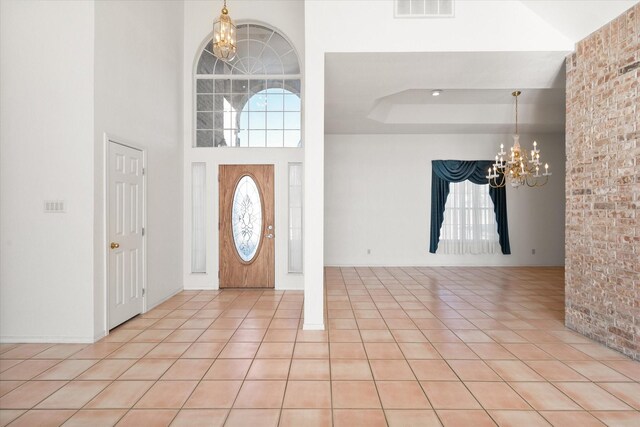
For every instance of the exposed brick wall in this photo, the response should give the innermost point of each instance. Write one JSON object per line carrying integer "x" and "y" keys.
{"x": 603, "y": 185}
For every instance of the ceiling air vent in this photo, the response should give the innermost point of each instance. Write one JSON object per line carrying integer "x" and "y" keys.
{"x": 423, "y": 8}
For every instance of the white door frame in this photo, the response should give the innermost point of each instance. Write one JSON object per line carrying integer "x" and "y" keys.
{"x": 108, "y": 140}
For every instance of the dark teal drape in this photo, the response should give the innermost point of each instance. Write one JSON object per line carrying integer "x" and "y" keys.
{"x": 446, "y": 171}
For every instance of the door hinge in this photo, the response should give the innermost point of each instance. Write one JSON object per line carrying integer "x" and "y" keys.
{"x": 144, "y": 171}
{"x": 143, "y": 231}
{"x": 144, "y": 291}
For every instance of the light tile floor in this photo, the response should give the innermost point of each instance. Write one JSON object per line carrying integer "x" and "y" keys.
{"x": 404, "y": 347}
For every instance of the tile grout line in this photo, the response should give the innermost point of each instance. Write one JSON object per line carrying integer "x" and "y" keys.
{"x": 133, "y": 407}
{"x": 459, "y": 292}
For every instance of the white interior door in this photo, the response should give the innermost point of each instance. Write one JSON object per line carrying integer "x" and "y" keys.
{"x": 125, "y": 222}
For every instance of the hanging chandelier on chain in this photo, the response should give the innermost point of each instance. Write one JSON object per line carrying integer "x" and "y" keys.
{"x": 518, "y": 169}
{"x": 224, "y": 36}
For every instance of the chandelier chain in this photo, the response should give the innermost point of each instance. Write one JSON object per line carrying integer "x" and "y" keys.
{"x": 516, "y": 112}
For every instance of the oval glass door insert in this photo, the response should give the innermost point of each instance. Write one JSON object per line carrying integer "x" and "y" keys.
{"x": 246, "y": 218}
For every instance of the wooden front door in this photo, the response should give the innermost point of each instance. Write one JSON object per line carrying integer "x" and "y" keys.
{"x": 247, "y": 234}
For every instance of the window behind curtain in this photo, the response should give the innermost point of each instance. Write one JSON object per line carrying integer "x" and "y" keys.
{"x": 469, "y": 225}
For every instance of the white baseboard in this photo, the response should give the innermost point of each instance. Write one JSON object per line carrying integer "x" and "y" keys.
{"x": 423, "y": 265}
{"x": 148, "y": 308}
{"x": 277, "y": 288}
{"x": 200, "y": 288}
{"x": 56, "y": 339}
{"x": 290, "y": 288}
{"x": 168, "y": 297}
{"x": 313, "y": 326}
{"x": 99, "y": 336}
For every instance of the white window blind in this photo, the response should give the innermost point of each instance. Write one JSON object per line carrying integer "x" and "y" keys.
{"x": 198, "y": 221}
{"x": 469, "y": 225}
{"x": 295, "y": 217}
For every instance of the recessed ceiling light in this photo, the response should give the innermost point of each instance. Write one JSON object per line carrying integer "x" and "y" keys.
{"x": 436, "y": 92}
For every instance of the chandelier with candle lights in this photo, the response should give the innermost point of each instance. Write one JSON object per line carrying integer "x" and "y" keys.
{"x": 224, "y": 36}
{"x": 517, "y": 168}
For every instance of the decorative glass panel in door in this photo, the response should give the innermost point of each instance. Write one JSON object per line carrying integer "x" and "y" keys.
{"x": 246, "y": 218}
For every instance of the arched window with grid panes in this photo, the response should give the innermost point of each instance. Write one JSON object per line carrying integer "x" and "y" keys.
{"x": 253, "y": 100}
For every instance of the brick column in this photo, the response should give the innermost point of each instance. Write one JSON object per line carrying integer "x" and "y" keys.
{"x": 603, "y": 185}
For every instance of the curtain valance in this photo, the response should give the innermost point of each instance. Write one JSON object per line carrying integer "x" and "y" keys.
{"x": 447, "y": 171}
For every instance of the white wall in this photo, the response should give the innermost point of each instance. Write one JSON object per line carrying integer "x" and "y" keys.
{"x": 138, "y": 99}
{"x": 378, "y": 197}
{"x": 288, "y": 18}
{"x": 71, "y": 71}
{"x": 46, "y": 152}
{"x": 478, "y": 26}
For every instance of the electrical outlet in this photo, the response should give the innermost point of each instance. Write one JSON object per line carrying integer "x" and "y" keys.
{"x": 533, "y": 251}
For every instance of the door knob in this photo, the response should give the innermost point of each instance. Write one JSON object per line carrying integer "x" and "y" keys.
{"x": 115, "y": 245}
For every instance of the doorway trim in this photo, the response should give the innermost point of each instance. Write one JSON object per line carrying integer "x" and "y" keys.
{"x": 109, "y": 139}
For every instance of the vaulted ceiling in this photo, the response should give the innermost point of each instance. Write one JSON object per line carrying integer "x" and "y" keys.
{"x": 390, "y": 93}
{"x": 577, "y": 19}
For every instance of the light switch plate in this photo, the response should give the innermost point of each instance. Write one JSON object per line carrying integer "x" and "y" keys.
{"x": 54, "y": 206}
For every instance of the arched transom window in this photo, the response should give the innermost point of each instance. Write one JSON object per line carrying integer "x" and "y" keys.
{"x": 253, "y": 100}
